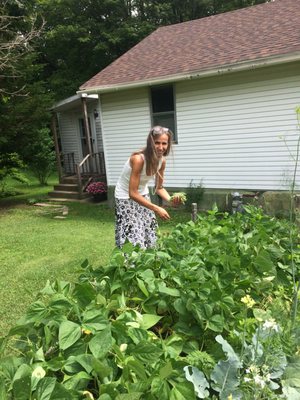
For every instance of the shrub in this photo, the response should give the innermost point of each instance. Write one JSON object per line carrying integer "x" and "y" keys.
{"x": 42, "y": 156}
{"x": 194, "y": 194}
{"x": 10, "y": 166}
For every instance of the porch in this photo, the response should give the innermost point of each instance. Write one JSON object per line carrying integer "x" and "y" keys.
{"x": 75, "y": 177}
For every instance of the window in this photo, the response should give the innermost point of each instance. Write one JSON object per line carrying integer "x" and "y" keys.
{"x": 163, "y": 108}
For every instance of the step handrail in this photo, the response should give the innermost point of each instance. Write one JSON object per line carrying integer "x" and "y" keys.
{"x": 78, "y": 173}
{"x": 95, "y": 165}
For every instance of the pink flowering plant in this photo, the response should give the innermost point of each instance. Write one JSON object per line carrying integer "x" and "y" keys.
{"x": 97, "y": 188}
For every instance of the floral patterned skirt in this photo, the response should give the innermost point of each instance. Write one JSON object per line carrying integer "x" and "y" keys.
{"x": 134, "y": 223}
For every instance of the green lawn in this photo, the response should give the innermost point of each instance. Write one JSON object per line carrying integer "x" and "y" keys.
{"x": 36, "y": 246}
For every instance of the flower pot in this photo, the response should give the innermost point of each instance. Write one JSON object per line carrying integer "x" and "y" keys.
{"x": 98, "y": 197}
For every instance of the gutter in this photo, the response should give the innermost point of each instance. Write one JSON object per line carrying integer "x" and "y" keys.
{"x": 229, "y": 68}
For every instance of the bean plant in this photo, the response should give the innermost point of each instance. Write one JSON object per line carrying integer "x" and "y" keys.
{"x": 207, "y": 314}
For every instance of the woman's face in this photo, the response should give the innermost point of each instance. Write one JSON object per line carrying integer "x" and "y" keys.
{"x": 161, "y": 143}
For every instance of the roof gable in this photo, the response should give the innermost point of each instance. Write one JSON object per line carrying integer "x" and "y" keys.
{"x": 254, "y": 33}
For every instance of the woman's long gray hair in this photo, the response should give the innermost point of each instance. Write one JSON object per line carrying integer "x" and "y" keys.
{"x": 150, "y": 152}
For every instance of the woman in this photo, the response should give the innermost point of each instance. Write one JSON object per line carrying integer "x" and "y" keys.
{"x": 135, "y": 214}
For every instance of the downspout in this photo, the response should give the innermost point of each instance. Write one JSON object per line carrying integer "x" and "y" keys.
{"x": 56, "y": 146}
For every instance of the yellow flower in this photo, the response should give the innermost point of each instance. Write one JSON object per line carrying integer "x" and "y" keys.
{"x": 230, "y": 397}
{"x": 248, "y": 301}
{"x": 86, "y": 331}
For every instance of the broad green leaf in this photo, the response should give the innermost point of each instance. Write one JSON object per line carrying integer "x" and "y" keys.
{"x": 48, "y": 289}
{"x": 77, "y": 382}
{"x": 22, "y": 388}
{"x": 3, "y": 392}
{"x": 137, "y": 335}
{"x": 182, "y": 391}
{"x": 291, "y": 377}
{"x": 149, "y": 320}
{"x": 137, "y": 367}
{"x": 36, "y": 311}
{"x": 228, "y": 350}
{"x": 45, "y": 388}
{"x": 160, "y": 388}
{"x": 84, "y": 294}
{"x": 69, "y": 333}
{"x": 23, "y": 371}
{"x": 146, "y": 352}
{"x": 170, "y": 291}
{"x": 60, "y": 392}
{"x": 166, "y": 370}
{"x": 60, "y": 302}
{"x": 197, "y": 378}
{"x": 100, "y": 368}
{"x": 216, "y": 323}
{"x": 101, "y": 343}
{"x": 9, "y": 366}
{"x": 173, "y": 345}
{"x": 142, "y": 286}
{"x": 261, "y": 315}
{"x": 290, "y": 392}
{"x": 225, "y": 377}
{"x": 263, "y": 263}
{"x": 105, "y": 396}
{"x": 131, "y": 396}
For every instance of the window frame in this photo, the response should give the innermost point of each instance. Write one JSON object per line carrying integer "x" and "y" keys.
{"x": 162, "y": 113}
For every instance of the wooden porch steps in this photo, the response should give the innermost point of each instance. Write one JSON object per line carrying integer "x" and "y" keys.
{"x": 68, "y": 189}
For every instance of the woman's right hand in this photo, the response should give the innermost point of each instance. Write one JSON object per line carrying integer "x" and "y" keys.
{"x": 162, "y": 213}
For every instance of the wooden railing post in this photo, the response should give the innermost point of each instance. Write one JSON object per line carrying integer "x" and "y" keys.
{"x": 79, "y": 180}
{"x": 194, "y": 211}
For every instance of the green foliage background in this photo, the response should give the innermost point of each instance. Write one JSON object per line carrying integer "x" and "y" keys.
{"x": 75, "y": 40}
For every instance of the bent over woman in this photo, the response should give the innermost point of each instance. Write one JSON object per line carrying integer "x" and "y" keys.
{"x": 135, "y": 213}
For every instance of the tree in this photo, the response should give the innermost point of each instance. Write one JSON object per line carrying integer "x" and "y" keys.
{"x": 24, "y": 100}
{"x": 17, "y": 32}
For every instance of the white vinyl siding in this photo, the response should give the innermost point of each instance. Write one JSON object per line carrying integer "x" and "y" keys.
{"x": 237, "y": 131}
{"x": 68, "y": 128}
{"x": 125, "y": 118}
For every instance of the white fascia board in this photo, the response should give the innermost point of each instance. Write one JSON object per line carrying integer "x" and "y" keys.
{"x": 224, "y": 69}
{"x": 70, "y": 101}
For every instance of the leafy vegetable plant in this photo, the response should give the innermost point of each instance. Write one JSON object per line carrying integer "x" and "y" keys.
{"x": 180, "y": 195}
{"x": 194, "y": 318}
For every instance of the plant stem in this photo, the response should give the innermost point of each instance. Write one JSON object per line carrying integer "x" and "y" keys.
{"x": 292, "y": 213}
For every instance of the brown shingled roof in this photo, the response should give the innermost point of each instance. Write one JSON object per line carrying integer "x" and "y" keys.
{"x": 253, "y": 33}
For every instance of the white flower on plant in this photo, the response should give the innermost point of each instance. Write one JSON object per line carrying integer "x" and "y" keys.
{"x": 123, "y": 347}
{"x": 38, "y": 372}
{"x": 246, "y": 379}
{"x": 271, "y": 325}
{"x": 259, "y": 381}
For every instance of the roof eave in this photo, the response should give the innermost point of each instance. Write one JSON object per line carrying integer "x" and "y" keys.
{"x": 224, "y": 69}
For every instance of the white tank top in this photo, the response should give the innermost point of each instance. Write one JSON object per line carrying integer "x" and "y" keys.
{"x": 122, "y": 186}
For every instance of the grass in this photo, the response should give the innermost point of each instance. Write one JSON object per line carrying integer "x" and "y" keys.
{"x": 36, "y": 246}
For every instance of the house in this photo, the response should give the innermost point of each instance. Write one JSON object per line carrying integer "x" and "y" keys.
{"x": 227, "y": 85}
{"x": 78, "y": 143}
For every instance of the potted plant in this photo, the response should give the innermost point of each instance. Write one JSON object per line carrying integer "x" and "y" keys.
{"x": 98, "y": 190}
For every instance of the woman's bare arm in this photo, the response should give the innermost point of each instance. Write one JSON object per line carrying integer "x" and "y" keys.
{"x": 137, "y": 163}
